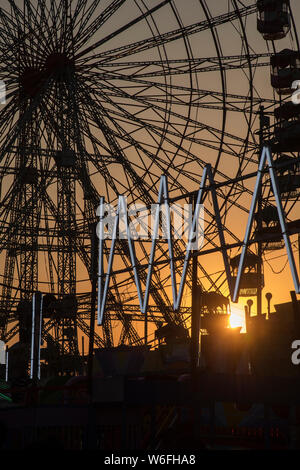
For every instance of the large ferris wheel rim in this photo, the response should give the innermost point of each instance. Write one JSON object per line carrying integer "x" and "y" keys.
{"x": 214, "y": 33}
{"x": 219, "y": 55}
{"x": 224, "y": 91}
{"x": 223, "y": 126}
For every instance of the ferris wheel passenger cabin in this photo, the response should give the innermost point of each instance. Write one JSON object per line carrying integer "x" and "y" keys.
{"x": 288, "y": 176}
{"x": 285, "y": 69}
{"x": 251, "y": 280}
{"x": 287, "y": 128}
{"x": 273, "y": 20}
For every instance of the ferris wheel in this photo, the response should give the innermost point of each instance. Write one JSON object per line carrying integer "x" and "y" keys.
{"x": 102, "y": 98}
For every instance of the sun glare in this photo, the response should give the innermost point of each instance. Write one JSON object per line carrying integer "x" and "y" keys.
{"x": 237, "y": 318}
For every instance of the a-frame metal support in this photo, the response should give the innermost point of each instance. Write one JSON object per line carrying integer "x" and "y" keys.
{"x": 266, "y": 157}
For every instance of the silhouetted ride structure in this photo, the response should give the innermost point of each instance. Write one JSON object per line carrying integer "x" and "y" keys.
{"x": 102, "y": 99}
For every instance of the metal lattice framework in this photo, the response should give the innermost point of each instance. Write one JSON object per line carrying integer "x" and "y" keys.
{"x": 102, "y": 98}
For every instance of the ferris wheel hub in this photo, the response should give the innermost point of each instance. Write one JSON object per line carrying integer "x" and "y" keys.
{"x": 57, "y": 66}
{"x": 31, "y": 81}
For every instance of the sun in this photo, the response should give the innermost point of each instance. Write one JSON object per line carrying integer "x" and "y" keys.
{"x": 237, "y": 318}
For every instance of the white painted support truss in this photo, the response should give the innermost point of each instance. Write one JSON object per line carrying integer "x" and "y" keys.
{"x": 266, "y": 157}
{"x": 163, "y": 199}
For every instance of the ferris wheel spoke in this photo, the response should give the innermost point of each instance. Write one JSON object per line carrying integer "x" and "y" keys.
{"x": 77, "y": 17}
{"x": 136, "y": 144}
{"x": 199, "y": 127}
{"x": 163, "y": 68}
{"x": 161, "y": 39}
{"x": 82, "y": 37}
{"x": 30, "y": 20}
{"x": 171, "y": 131}
{"x": 118, "y": 152}
{"x": 124, "y": 28}
{"x": 85, "y": 329}
{"x": 98, "y": 161}
{"x": 147, "y": 170}
{"x": 54, "y": 128}
{"x": 17, "y": 13}
{"x": 78, "y": 13}
{"x": 30, "y": 38}
{"x": 32, "y": 13}
{"x": 50, "y": 21}
{"x": 154, "y": 158}
{"x": 188, "y": 174}
{"x": 52, "y": 125}
{"x": 62, "y": 23}
{"x": 7, "y": 118}
{"x": 169, "y": 90}
{"x": 159, "y": 132}
{"x": 111, "y": 136}
{"x": 86, "y": 14}
{"x": 7, "y": 28}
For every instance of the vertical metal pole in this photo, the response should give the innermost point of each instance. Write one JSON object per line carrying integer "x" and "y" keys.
{"x": 32, "y": 337}
{"x": 6, "y": 363}
{"x": 195, "y": 327}
{"x": 247, "y": 318}
{"x": 146, "y": 327}
{"x": 248, "y": 349}
{"x": 93, "y": 308}
{"x": 195, "y": 317}
{"x": 91, "y": 418}
{"x": 36, "y": 332}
